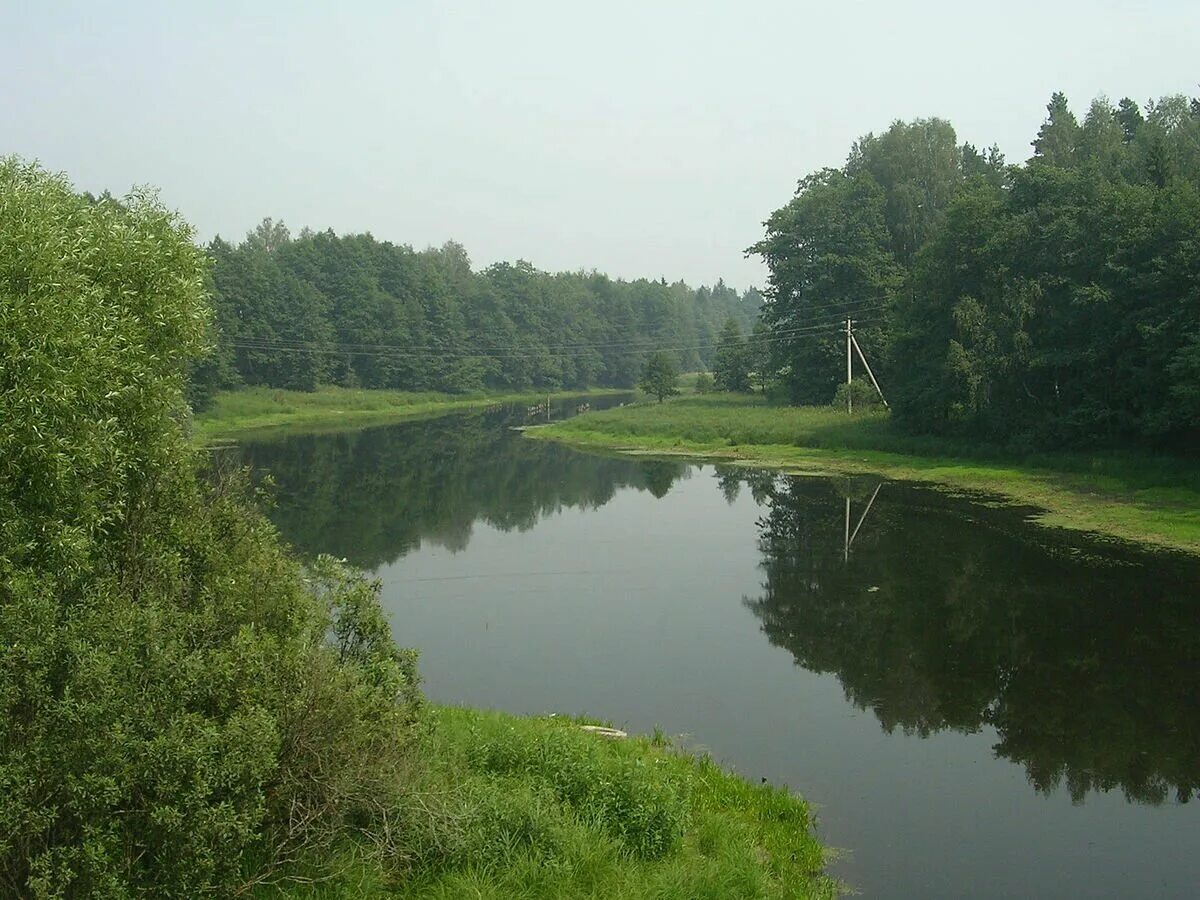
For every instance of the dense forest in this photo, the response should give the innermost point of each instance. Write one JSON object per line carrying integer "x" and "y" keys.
{"x": 355, "y": 311}
{"x": 1052, "y": 302}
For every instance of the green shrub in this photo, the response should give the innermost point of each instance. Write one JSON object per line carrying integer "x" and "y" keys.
{"x": 183, "y": 709}
{"x": 862, "y": 394}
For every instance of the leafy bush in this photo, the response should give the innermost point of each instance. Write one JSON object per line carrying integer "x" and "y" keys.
{"x": 862, "y": 394}
{"x": 183, "y": 709}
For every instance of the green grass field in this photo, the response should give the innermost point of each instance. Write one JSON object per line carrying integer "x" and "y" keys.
{"x": 251, "y": 409}
{"x": 538, "y": 808}
{"x": 1133, "y": 496}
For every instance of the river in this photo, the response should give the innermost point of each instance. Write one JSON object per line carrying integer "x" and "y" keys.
{"x": 976, "y": 706}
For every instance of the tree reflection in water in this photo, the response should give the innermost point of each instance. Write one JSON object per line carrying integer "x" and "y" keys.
{"x": 371, "y": 496}
{"x": 949, "y": 616}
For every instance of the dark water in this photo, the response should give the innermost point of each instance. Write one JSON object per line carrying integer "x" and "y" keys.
{"x": 978, "y": 708}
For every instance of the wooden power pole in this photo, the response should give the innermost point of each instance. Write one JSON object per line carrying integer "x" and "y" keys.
{"x": 867, "y": 366}
{"x": 852, "y": 344}
{"x": 849, "y": 363}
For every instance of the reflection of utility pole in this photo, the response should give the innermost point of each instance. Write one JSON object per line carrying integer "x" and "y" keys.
{"x": 848, "y": 541}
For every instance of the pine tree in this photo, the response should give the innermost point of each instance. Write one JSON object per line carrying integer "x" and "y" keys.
{"x": 1058, "y": 138}
{"x": 731, "y": 367}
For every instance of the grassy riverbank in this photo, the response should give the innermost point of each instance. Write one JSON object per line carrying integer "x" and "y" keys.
{"x": 1138, "y": 497}
{"x": 537, "y": 807}
{"x": 251, "y": 409}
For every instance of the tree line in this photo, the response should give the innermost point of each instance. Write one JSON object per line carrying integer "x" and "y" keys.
{"x": 355, "y": 311}
{"x": 1053, "y": 302}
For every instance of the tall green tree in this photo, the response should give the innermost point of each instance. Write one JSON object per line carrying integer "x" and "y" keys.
{"x": 758, "y": 351}
{"x": 1056, "y": 312}
{"x": 1129, "y": 117}
{"x": 1101, "y": 140}
{"x": 660, "y": 376}
{"x": 731, "y": 368}
{"x": 919, "y": 166}
{"x": 1058, "y": 139}
{"x": 269, "y": 235}
{"x": 1048, "y": 304}
{"x": 830, "y": 257}
{"x": 988, "y": 165}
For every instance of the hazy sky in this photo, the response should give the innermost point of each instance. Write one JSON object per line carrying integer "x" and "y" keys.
{"x": 641, "y": 139}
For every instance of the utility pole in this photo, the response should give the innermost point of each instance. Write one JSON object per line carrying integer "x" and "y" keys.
{"x": 852, "y": 344}
{"x": 867, "y": 365}
{"x": 849, "y": 372}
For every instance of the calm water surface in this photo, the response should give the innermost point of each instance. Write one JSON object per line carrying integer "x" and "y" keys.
{"x": 977, "y": 707}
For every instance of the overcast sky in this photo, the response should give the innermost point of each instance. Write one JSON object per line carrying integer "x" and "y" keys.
{"x": 637, "y": 138}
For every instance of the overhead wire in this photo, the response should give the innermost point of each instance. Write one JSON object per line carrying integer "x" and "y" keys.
{"x": 861, "y": 307}
{"x": 408, "y": 352}
{"x": 401, "y": 353}
{"x": 455, "y": 354}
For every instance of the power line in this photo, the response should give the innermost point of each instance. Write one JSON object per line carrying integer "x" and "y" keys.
{"x": 853, "y": 307}
{"x": 638, "y": 345}
{"x": 401, "y": 353}
{"x": 435, "y": 351}
{"x": 391, "y": 350}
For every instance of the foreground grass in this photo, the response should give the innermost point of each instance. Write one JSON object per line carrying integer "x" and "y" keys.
{"x": 1137, "y": 497}
{"x": 537, "y": 807}
{"x": 250, "y": 409}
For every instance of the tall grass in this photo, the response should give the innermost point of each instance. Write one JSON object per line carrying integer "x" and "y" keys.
{"x": 539, "y": 808}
